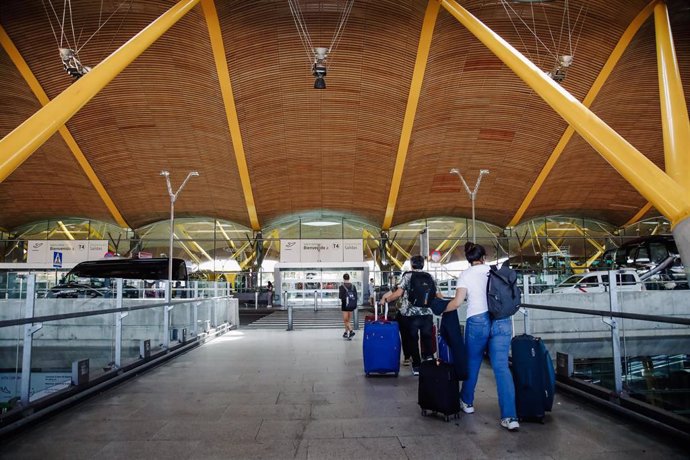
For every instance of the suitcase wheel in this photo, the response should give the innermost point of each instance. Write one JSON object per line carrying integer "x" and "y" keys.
{"x": 396, "y": 374}
{"x": 424, "y": 413}
{"x": 367, "y": 374}
{"x": 447, "y": 418}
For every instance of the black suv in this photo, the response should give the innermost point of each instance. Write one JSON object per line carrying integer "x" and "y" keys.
{"x": 655, "y": 258}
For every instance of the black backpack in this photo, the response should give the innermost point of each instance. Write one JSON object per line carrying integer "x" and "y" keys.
{"x": 422, "y": 289}
{"x": 502, "y": 292}
{"x": 350, "y": 298}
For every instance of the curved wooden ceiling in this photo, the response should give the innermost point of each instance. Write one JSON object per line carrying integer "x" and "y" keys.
{"x": 334, "y": 149}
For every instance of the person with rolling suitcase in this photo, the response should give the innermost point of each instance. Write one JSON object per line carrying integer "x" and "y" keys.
{"x": 417, "y": 289}
{"x": 482, "y": 332}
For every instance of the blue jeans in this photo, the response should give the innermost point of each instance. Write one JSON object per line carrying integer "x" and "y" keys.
{"x": 480, "y": 333}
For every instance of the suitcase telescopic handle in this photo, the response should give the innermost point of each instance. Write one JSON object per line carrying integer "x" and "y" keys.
{"x": 376, "y": 312}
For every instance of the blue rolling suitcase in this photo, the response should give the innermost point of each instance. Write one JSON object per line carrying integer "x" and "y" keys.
{"x": 534, "y": 378}
{"x": 445, "y": 354}
{"x": 381, "y": 346}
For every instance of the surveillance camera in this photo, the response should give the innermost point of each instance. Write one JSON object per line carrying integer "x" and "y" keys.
{"x": 319, "y": 71}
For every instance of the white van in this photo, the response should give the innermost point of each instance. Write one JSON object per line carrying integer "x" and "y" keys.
{"x": 626, "y": 280}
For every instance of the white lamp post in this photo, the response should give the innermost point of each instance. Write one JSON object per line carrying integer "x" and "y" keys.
{"x": 472, "y": 194}
{"x": 173, "y": 197}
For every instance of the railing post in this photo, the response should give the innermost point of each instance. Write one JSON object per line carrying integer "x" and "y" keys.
{"x": 195, "y": 310}
{"x": 29, "y": 330}
{"x": 166, "y": 314}
{"x": 615, "y": 337}
{"x": 118, "y": 325}
{"x": 525, "y": 299}
{"x": 214, "y": 310}
{"x": 284, "y": 300}
{"x": 256, "y": 299}
{"x": 355, "y": 318}
{"x": 289, "y": 310}
{"x": 316, "y": 300}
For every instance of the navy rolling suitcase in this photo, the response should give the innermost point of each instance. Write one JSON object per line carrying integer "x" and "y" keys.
{"x": 381, "y": 346}
{"x": 439, "y": 389}
{"x": 534, "y": 378}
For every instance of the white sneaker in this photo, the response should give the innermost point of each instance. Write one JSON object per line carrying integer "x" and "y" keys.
{"x": 466, "y": 408}
{"x": 510, "y": 423}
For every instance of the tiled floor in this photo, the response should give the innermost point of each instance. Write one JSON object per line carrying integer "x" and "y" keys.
{"x": 260, "y": 394}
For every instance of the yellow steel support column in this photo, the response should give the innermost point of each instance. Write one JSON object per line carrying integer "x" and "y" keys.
{"x": 651, "y": 182}
{"x": 18, "y": 145}
{"x": 42, "y": 97}
{"x": 412, "y": 100}
{"x": 674, "y": 112}
{"x": 604, "y": 74}
{"x": 218, "y": 48}
{"x": 639, "y": 214}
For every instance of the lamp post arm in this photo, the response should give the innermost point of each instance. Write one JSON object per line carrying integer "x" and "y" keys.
{"x": 476, "y": 186}
{"x": 462, "y": 179}
{"x": 189, "y": 176}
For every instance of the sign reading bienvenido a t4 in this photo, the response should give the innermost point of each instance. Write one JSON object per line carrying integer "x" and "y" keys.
{"x": 71, "y": 251}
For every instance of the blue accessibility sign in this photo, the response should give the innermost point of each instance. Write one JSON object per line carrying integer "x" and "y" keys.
{"x": 57, "y": 259}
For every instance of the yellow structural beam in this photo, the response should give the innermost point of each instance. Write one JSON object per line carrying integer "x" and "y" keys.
{"x": 218, "y": 48}
{"x": 42, "y": 97}
{"x": 650, "y": 181}
{"x": 18, "y": 145}
{"x": 453, "y": 235}
{"x": 423, "y": 47}
{"x": 604, "y": 74}
{"x": 674, "y": 112}
{"x": 450, "y": 250}
{"x": 639, "y": 214}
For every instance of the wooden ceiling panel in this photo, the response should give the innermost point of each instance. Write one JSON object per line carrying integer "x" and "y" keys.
{"x": 310, "y": 150}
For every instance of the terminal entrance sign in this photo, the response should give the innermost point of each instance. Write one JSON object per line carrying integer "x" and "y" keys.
{"x": 71, "y": 251}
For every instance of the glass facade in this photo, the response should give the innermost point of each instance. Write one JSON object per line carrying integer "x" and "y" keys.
{"x": 550, "y": 248}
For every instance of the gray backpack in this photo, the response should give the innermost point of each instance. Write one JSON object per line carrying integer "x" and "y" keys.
{"x": 502, "y": 292}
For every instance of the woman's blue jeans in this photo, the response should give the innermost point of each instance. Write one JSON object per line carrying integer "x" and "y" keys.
{"x": 480, "y": 333}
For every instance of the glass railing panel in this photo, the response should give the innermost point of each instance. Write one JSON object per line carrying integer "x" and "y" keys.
{"x": 58, "y": 344}
{"x": 12, "y": 309}
{"x": 656, "y": 355}
{"x": 11, "y": 350}
{"x": 141, "y": 325}
{"x": 181, "y": 323}
{"x": 585, "y": 338}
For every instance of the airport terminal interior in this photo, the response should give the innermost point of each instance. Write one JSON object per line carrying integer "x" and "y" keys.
{"x": 184, "y": 184}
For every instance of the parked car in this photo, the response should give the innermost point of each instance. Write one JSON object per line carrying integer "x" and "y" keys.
{"x": 626, "y": 280}
{"x": 96, "y": 278}
{"x": 655, "y": 258}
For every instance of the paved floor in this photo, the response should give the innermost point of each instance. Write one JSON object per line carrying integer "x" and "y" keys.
{"x": 261, "y": 394}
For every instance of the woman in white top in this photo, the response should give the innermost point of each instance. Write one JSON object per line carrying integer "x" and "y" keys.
{"x": 482, "y": 332}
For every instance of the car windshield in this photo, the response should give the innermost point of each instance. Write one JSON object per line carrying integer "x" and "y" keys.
{"x": 87, "y": 281}
{"x": 572, "y": 281}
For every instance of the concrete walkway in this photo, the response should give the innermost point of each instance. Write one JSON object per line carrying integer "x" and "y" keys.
{"x": 258, "y": 394}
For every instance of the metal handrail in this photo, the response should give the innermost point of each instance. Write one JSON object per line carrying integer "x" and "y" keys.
{"x": 614, "y": 314}
{"x": 81, "y": 314}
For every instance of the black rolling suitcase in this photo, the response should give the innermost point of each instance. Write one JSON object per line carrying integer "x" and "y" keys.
{"x": 534, "y": 378}
{"x": 439, "y": 391}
